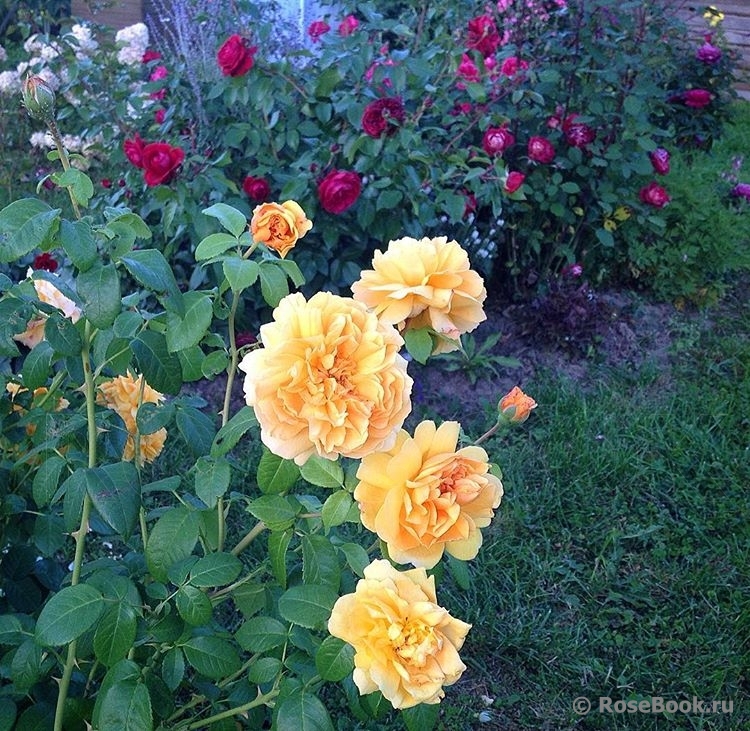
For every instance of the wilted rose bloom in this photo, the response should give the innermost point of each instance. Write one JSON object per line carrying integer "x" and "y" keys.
{"x": 160, "y": 162}
{"x": 497, "y": 140}
{"x": 316, "y": 29}
{"x": 133, "y": 149}
{"x": 742, "y": 190}
{"x": 328, "y": 380}
{"x": 256, "y": 188}
{"x": 483, "y": 35}
{"x": 279, "y": 225}
{"x": 348, "y": 25}
{"x": 516, "y": 406}
{"x": 540, "y": 149}
{"x": 512, "y": 65}
{"x": 405, "y": 644}
{"x": 654, "y": 195}
{"x": 424, "y": 496}
{"x": 424, "y": 283}
{"x": 383, "y": 116}
{"x": 514, "y": 181}
{"x": 468, "y": 70}
{"x": 577, "y": 134}
{"x": 123, "y": 395}
{"x": 236, "y": 56}
{"x": 696, "y": 98}
{"x": 659, "y": 160}
{"x": 708, "y": 53}
{"x": 46, "y": 261}
{"x": 339, "y": 190}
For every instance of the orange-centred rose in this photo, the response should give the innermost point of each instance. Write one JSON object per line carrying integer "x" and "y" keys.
{"x": 423, "y": 496}
{"x": 328, "y": 380}
{"x": 406, "y": 645}
{"x": 125, "y": 394}
{"x": 279, "y": 225}
{"x": 516, "y": 406}
{"x": 424, "y": 283}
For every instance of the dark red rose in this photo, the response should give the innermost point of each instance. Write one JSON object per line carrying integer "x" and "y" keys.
{"x": 467, "y": 70}
{"x": 235, "y": 57}
{"x": 150, "y": 55}
{"x": 742, "y": 190}
{"x": 339, "y": 190}
{"x": 317, "y": 29}
{"x": 577, "y": 134}
{"x": 708, "y": 53}
{"x": 243, "y": 338}
{"x": 696, "y": 98}
{"x": 540, "y": 149}
{"x": 462, "y": 108}
{"x": 654, "y": 195}
{"x": 46, "y": 261}
{"x": 514, "y": 181}
{"x": 659, "y": 160}
{"x": 160, "y": 162}
{"x": 348, "y": 25}
{"x": 106, "y": 183}
{"x": 497, "y": 140}
{"x": 470, "y": 206}
{"x": 159, "y": 116}
{"x": 383, "y": 116}
{"x": 133, "y": 150}
{"x": 483, "y": 35}
{"x": 256, "y": 188}
{"x": 512, "y": 65}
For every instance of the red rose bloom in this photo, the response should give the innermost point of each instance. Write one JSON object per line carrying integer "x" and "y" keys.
{"x": 150, "y": 55}
{"x": 256, "y": 188}
{"x": 512, "y": 65}
{"x": 383, "y": 116}
{"x": 46, "y": 261}
{"x": 540, "y": 149}
{"x": 577, "y": 134}
{"x": 468, "y": 70}
{"x": 654, "y": 195}
{"x": 696, "y": 98}
{"x": 339, "y": 190}
{"x": 159, "y": 116}
{"x": 133, "y": 150}
{"x": 470, "y": 206}
{"x": 160, "y": 162}
{"x": 659, "y": 160}
{"x": 106, "y": 183}
{"x": 317, "y": 29}
{"x": 514, "y": 182}
{"x": 497, "y": 140}
{"x": 235, "y": 57}
{"x": 483, "y": 35}
{"x": 348, "y": 25}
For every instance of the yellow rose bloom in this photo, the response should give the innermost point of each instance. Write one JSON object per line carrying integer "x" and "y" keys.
{"x": 123, "y": 395}
{"x": 423, "y": 497}
{"x": 329, "y": 379}
{"x": 406, "y": 645}
{"x": 51, "y": 295}
{"x": 279, "y": 225}
{"x": 424, "y": 283}
{"x": 14, "y": 389}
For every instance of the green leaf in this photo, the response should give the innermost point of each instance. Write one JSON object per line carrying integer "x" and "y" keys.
{"x": 605, "y": 237}
{"x": 115, "y": 492}
{"x": 125, "y": 706}
{"x": 422, "y": 717}
{"x": 418, "y": 344}
{"x": 151, "y": 269}
{"x": 302, "y": 711}
{"x": 336, "y": 508}
{"x": 264, "y": 670}
{"x": 188, "y": 330}
{"x": 213, "y": 363}
{"x": 275, "y": 511}
{"x": 211, "y": 656}
{"x": 233, "y": 431}
{"x": 63, "y": 335}
{"x": 193, "y": 605}
{"x": 196, "y": 428}
{"x": 78, "y": 183}
{"x": 320, "y": 562}
{"x": 172, "y": 539}
{"x": 230, "y": 218}
{"x": 276, "y": 474}
{"x": 214, "y": 245}
{"x": 11, "y": 630}
{"x": 460, "y": 572}
{"x": 212, "y": 477}
{"x": 215, "y": 569}
{"x": 327, "y": 82}
{"x": 322, "y": 472}
{"x": 25, "y": 225}
{"x": 7, "y": 714}
{"x": 240, "y": 273}
{"x": 68, "y": 614}
{"x": 260, "y": 634}
{"x": 152, "y": 417}
{"x": 273, "y": 283}
{"x": 26, "y": 667}
{"x": 173, "y": 668}
{"x": 115, "y": 633}
{"x": 160, "y": 368}
{"x": 49, "y": 533}
{"x": 334, "y": 659}
{"x": 292, "y": 271}
{"x": 278, "y": 543}
{"x": 37, "y": 365}
{"x": 307, "y": 605}
{"x": 78, "y": 242}
{"x": 356, "y": 556}
{"x": 99, "y": 290}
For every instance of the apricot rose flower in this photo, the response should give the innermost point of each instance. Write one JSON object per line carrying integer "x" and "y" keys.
{"x": 424, "y": 283}
{"x": 329, "y": 379}
{"x": 123, "y": 395}
{"x": 279, "y": 225}
{"x": 423, "y": 497}
{"x": 406, "y": 645}
{"x": 516, "y": 406}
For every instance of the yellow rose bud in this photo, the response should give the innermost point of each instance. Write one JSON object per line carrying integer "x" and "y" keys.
{"x": 38, "y": 98}
{"x": 516, "y": 406}
{"x": 279, "y": 225}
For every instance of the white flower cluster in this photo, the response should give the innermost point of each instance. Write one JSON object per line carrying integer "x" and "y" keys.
{"x": 134, "y": 42}
{"x": 3, "y": 54}
{"x": 84, "y": 42}
{"x": 10, "y": 82}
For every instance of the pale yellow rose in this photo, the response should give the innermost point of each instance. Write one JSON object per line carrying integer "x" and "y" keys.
{"x": 424, "y": 283}
{"x": 279, "y": 225}
{"x": 329, "y": 379}
{"x": 123, "y": 395}
{"x": 423, "y": 497}
{"x": 51, "y": 295}
{"x": 38, "y": 399}
{"x": 406, "y": 645}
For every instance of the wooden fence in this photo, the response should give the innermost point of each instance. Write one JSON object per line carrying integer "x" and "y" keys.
{"x": 120, "y": 15}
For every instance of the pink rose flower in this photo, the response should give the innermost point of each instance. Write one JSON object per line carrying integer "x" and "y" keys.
{"x": 697, "y": 98}
{"x": 708, "y": 53}
{"x": 514, "y": 181}
{"x": 654, "y": 195}
{"x": 512, "y": 65}
{"x": 467, "y": 69}
{"x": 483, "y": 35}
{"x": 133, "y": 149}
{"x": 659, "y": 160}
{"x": 577, "y": 134}
{"x": 742, "y": 190}
{"x": 497, "y": 140}
{"x": 540, "y": 149}
{"x": 256, "y": 188}
{"x": 348, "y": 25}
{"x": 160, "y": 162}
{"x": 317, "y": 29}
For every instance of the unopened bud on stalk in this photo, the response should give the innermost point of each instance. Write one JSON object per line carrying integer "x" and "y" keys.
{"x": 515, "y": 406}
{"x": 38, "y": 98}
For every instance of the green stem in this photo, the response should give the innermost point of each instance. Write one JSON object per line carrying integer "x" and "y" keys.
{"x": 256, "y": 530}
{"x": 261, "y": 700}
{"x": 488, "y": 433}
{"x": 55, "y": 132}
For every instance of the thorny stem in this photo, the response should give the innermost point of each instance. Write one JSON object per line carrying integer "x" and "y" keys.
{"x": 55, "y": 132}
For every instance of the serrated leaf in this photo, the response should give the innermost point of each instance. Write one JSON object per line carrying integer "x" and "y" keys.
{"x": 278, "y": 543}
{"x": 211, "y": 656}
{"x": 37, "y": 365}
{"x": 264, "y": 670}
{"x": 152, "y": 417}
{"x": 193, "y": 605}
{"x": 320, "y": 562}
{"x": 126, "y": 706}
{"x": 173, "y": 668}
{"x": 307, "y": 605}
{"x": 212, "y": 477}
{"x": 240, "y": 273}
{"x": 275, "y": 511}
{"x": 78, "y": 183}
{"x": 151, "y": 269}
{"x": 68, "y": 614}
{"x": 196, "y": 428}
{"x": 160, "y": 368}
{"x": 35, "y": 232}
{"x": 233, "y": 431}
{"x": 276, "y": 474}
{"x": 78, "y": 242}
{"x": 334, "y": 659}
{"x": 419, "y": 344}
{"x": 99, "y": 290}
{"x": 322, "y": 472}
{"x": 188, "y": 330}
{"x": 356, "y": 556}
{"x": 260, "y": 634}
{"x": 214, "y": 245}
{"x": 230, "y": 218}
{"x": 215, "y": 569}
{"x": 172, "y": 539}
{"x": 63, "y": 335}
{"x": 115, "y": 633}
{"x": 115, "y": 492}
{"x": 302, "y": 711}
{"x": 273, "y": 283}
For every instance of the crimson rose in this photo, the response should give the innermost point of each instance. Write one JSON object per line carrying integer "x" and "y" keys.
{"x": 339, "y": 190}
{"x": 348, "y": 25}
{"x": 483, "y": 35}
{"x": 160, "y": 162}
{"x": 540, "y": 149}
{"x": 654, "y": 195}
{"x": 514, "y": 181}
{"x": 382, "y": 116}
{"x": 577, "y": 134}
{"x": 696, "y": 98}
{"x": 317, "y": 29}
{"x": 133, "y": 150}
{"x": 235, "y": 57}
{"x": 659, "y": 160}
{"x": 256, "y": 188}
{"x": 497, "y": 140}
